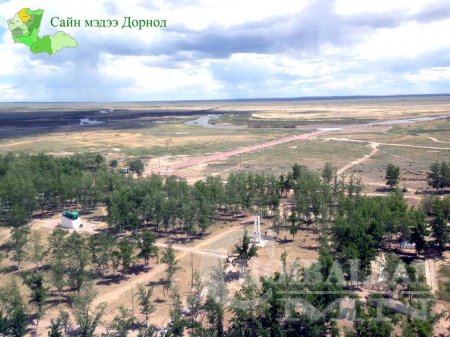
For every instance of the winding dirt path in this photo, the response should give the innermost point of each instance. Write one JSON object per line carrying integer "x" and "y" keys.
{"x": 414, "y": 197}
{"x": 193, "y": 250}
{"x": 437, "y": 141}
{"x": 430, "y": 275}
{"x": 194, "y": 161}
{"x": 388, "y": 144}
{"x": 374, "y": 147}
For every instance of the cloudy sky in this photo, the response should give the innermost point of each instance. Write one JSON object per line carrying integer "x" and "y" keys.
{"x": 220, "y": 49}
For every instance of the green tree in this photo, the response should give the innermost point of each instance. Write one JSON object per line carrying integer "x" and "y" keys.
{"x": 293, "y": 229}
{"x": 147, "y": 246}
{"x": 390, "y": 265}
{"x": 277, "y": 223}
{"x": 392, "y": 175}
{"x": 55, "y": 328}
{"x": 419, "y": 232}
{"x": 369, "y": 327}
{"x": 13, "y": 311}
{"x": 122, "y": 323}
{"x": 215, "y": 315}
{"x": 64, "y": 318}
{"x": 245, "y": 250}
{"x": 18, "y": 241}
{"x": 148, "y": 331}
{"x": 145, "y": 301}
{"x": 327, "y": 173}
{"x": 438, "y": 176}
{"x": 86, "y": 315}
{"x": 113, "y": 163}
{"x": 171, "y": 262}
{"x": 101, "y": 247}
{"x": 77, "y": 260}
{"x": 57, "y": 244}
{"x": 136, "y": 166}
{"x": 195, "y": 300}
{"x": 125, "y": 254}
{"x": 247, "y": 320}
{"x": 439, "y": 232}
{"x": 39, "y": 293}
{"x": 177, "y": 323}
{"x": 36, "y": 250}
{"x": 445, "y": 173}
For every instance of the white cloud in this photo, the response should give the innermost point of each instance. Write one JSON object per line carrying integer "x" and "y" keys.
{"x": 10, "y": 93}
{"x": 148, "y": 82}
{"x": 436, "y": 74}
{"x": 408, "y": 40}
{"x": 348, "y": 7}
{"x": 231, "y": 49}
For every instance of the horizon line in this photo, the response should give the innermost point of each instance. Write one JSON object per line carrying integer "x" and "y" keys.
{"x": 306, "y": 98}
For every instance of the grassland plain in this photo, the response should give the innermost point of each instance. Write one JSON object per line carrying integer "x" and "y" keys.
{"x": 160, "y": 140}
{"x": 312, "y": 153}
{"x": 157, "y": 133}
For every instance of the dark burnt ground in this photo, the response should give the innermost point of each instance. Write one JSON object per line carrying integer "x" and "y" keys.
{"x": 34, "y": 123}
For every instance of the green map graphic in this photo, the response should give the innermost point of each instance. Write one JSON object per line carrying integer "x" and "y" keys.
{"x": 24, "y": 27}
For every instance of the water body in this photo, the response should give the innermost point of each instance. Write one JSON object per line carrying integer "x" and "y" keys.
{"x": 87, "y": 121}
{"x": 408, "y": 120}
{"x": 203, "y": 121}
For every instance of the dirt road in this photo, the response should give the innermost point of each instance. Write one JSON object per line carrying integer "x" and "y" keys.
{"x": 122, "y": 289}
{"x": 437, "y": 141}
{"x": 226, "y": 154}
{"x": 193, "y": 250}
{"x": 388, "y": 144}
{"x": 374, "y": 147}
{"x": 115, "y": 292}
{"x": 413, "y": 197}
{"x": 430, "y": 275}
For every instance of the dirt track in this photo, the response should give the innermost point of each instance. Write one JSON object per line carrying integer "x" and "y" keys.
{"x": 226, "y": 154}
{"x": 437, "y": 141}
{"x": 430, "y": 274}
{"x": 116, "y": 292}
{"x": 388, "y": 144}
{"x": 360, "y": 160}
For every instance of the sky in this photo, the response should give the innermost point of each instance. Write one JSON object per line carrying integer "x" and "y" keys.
{"x": 230, "y": 49}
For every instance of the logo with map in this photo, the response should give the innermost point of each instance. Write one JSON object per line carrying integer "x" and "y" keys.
{"x": 25, "y": 26}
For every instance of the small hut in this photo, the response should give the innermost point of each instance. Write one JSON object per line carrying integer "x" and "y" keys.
{"x": 71, "y": 220}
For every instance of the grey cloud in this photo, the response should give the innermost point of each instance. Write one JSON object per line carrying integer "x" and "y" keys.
{"x": 316, "y": 25}
{"x": 437, "y": 11}
{"x": 301, "y": 36}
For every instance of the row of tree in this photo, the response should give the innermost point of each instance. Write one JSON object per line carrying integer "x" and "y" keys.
{"x": 295, "y": 301}
{"x": 439, "y": 175}
{"x": 171, "y": 203}
{"x": 33, "y": 183}
{"x": 66, "y": 269}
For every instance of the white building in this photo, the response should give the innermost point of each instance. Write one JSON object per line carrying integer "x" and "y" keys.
{"x": 71, "y": 220}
